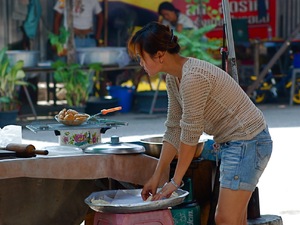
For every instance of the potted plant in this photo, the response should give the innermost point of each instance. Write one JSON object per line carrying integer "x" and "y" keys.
{"x": 11, "y": 77}
{"x": 76, "y": 80}
{"x": 59, "y": 41}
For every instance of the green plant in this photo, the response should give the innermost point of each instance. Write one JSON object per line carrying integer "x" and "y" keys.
{"x": 76, "y": 81}
{"x": 193, "y": 43}
{"x": 11, "y": 77}
{"x": 194, "y": 5}
{"x": 59, "y": 40}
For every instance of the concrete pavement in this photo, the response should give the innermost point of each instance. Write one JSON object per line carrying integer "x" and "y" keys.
{"x": 279, "y": 186}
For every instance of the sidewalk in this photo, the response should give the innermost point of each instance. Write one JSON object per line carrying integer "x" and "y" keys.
{"x": 278, "y": 187}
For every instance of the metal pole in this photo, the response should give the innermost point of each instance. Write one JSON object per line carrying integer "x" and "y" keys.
{"x": 256, "y": 56}
{"x": 229, "y": 38}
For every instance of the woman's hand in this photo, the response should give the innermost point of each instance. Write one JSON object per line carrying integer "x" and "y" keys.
{"x": 165, "y": 192}
{"x": 150, "y": 188}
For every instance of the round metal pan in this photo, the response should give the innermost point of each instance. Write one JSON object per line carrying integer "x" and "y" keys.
{"x": 133, "y": 201}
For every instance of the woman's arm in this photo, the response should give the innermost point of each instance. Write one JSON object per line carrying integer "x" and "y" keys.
{"x": 186, "y": 154}
{"x": 179, "y": 27}
{"x": 185, "y": 157}
{"x": 167, "y": 154}
{"x": 99, "y": 27}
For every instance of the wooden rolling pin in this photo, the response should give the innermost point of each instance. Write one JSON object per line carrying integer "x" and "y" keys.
{"x": 24, "y": 150}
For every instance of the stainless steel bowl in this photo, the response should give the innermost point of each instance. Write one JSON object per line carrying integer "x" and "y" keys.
{"x": 30, "y": 58}
{"x": 153, "y": 146}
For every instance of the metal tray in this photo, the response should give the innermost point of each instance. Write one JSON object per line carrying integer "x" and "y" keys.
{"x": 91, "y": 124}
{"x": 130, "y": 201}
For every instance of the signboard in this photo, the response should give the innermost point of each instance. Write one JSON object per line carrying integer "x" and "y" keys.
{"x": 261, "y": 18}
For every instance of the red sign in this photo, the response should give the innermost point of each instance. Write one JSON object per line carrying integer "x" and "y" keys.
{"x": 261, "y": 20}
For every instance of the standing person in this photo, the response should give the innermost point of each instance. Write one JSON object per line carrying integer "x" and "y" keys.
{"x": 83, "y": 14}
{"x": 174, "y": 18}
{"x": 204, "y": 98}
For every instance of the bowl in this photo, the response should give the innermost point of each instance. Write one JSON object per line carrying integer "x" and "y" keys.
{"x": 70, "y": 122}
{"x": 153, "y": 146}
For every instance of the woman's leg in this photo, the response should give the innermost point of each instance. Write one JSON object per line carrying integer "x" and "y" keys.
{"x": 242, "y": 164}
{"x": 232, "y": 207}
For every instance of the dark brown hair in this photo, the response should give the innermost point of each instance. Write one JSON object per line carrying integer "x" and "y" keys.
{"x": 152, "y": 38}
{"x": 167, "y": 6}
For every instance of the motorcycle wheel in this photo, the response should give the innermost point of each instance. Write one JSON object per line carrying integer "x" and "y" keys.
{"x": 296, "y": 97}
{"x": 260, "y": 98}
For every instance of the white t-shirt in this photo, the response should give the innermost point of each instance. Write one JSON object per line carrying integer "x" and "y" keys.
{"x": 183, "y": 19}
{"x": 83, "y": 12}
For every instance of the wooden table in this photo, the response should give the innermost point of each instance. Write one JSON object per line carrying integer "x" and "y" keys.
{"x": 51, "y": 189}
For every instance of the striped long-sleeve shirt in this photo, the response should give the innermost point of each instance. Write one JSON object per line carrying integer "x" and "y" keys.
{"x": 209, "y": 100}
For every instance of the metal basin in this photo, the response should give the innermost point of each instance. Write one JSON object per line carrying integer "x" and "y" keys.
{"x": 30, "y": 58}
{"x": 153, "y": 146}
{"x": 130, "y": 201}
{"x": 104, "y": 55}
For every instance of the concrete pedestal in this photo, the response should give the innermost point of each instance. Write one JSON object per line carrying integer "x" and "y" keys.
{"x": 266, "y": 220}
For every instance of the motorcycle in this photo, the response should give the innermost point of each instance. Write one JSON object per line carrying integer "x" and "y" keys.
{"x": 271, "y": 89}
{"x": 266, "y": 90}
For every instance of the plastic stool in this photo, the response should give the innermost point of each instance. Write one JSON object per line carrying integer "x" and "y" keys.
{"x": 159, "y": 217}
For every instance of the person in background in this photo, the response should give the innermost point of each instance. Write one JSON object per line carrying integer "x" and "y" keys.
{"x": 202, "y": 98}
{"x": 172, "y": 17}
{"x": 83, "y": 21}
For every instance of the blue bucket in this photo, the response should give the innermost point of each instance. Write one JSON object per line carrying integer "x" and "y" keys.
{"x": 124, "y": 96}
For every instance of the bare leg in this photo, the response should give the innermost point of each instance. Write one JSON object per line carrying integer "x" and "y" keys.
{"x": 232, "y": 207}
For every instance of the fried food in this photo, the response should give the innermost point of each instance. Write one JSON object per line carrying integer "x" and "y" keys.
{"x": 72, "y": 111}
{"x": 71, "y": 117}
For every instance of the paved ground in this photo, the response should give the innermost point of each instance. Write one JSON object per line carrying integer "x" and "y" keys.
{"x": 279, "y": 186}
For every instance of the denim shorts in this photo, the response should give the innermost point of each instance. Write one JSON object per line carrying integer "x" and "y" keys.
{"x": 243, "y": 162}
